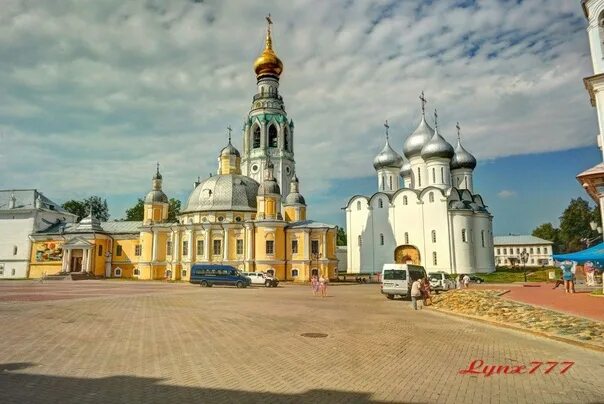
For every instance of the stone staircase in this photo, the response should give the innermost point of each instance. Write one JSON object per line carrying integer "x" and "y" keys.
{"x": 58, "y": 277}
{"x": 82, "y": 276}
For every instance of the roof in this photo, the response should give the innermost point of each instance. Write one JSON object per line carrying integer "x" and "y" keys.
{"x": 519, "y": 240}
{"x": 114, "y": 227}
{"x": 310, "y": 224}
{"x": 25, "y": 199}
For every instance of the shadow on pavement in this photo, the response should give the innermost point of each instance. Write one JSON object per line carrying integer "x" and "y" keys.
{"x": 34, "y": 388}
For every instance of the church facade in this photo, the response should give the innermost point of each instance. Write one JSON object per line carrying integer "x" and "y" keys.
{"x": 250, "y": 215}
{"x": 425, "y": 210}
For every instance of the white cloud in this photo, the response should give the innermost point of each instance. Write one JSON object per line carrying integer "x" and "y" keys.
{"x": 506, "y": 193}
{"x": 93, "y": 94}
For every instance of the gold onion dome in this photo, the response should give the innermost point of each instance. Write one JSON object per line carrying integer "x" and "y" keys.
{"x": 268, "y": 63}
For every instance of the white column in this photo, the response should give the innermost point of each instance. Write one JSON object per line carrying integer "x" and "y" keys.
{"x": 206, "y": 242}
{"x": 83, "y": 265}
{"x": 69, "y": 260}
{"x": 307, "y": 245}
{"x": 154, "y": 254}
{"x": 64, "y": 262}
{"x": 225, "y": 252}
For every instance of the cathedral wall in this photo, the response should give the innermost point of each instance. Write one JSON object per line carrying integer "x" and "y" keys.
{"x": 485, "y": 260}
{"x": 464, "y": 260}
{"x": 418, "y": 172}
{"x": 383, "y": 232}
{"x": 359, "y": 225}
{"x": 435, "y": 218}
{"x": 409, "y": 219}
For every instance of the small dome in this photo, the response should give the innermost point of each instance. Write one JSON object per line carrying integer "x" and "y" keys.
{"x": 415, "y": 142}
{"x": 462, "y": 158}
{"x": 229, "y": 150}
{"x": 225, "y": 193}
{"x": 156, "y": 196}
{"x": 89, "y": 223}
{"x": 406, "y": 169}
{"x": 437, "y": 147}
{"x": 387, "y": 158}
{"x": 295, "y": 198}
{"x": 269, "y": 187}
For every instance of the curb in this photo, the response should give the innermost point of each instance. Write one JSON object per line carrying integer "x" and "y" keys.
{"x": 587, "y": 345}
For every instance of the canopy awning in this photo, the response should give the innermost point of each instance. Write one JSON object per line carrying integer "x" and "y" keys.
{"x": 594, "y": 254}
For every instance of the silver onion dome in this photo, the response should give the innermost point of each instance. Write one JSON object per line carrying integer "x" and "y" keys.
{"x": 294, "y": 197}
{"x": 415, "y": 142}
{"x": 156, "y": 196}
{"x": 406, "y": 169}
{"x": 224, "y": 192}
{"x": 462, "y": 158}
{"x": 229, "y": 150}
{"x": 387, "y": 158}
{"x": 437, "y": 147}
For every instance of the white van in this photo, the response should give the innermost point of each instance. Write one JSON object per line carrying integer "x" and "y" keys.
{"x": 397, "y": 279}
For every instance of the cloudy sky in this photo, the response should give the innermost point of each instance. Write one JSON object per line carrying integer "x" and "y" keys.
{"x": 93, "y": 93}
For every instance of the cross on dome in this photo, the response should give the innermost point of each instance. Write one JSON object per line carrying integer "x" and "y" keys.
{"x": 435, "y": 119}
{"x": 458, "y": 131}
{"x": 424, "y": 101}
{"x": 229, "y": 129}
{"x": 387, "y": 127}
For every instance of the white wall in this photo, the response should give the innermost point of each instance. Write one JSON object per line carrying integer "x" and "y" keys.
{"x": 15, "y": 232}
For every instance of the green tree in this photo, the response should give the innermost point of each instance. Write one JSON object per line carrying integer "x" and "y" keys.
{"x": 341, "y": 237}
{"x": 575, "y": 225}
{"x": 547, "y": 231}
{"x": 173, "y": 209}
{"x": 136, "y": 212}
{"x": 82, "y": 208}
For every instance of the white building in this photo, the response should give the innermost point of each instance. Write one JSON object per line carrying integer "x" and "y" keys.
{"x": 593, "y": 178}
{"x": 23, "y": 212}
{"x": 431, "y": 216}
{"x": 508, "y": 250}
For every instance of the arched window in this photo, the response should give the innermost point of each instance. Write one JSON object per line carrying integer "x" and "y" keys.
{"x": 256, "y": 137}
{"x": 381, "y": 238}
{"x": 419, "y": 177}
{"x": 433, "y": 175}
{"x": 383, "y": 182}
{"x": 434, "y": 258}
{"x": 431, "y": 196}
{"x": 482, "y": 237}
{"x": 464, "y": 237}
{"x": 117, "y": 272}
{"x": 272, "y": 137}
{"x": 360, "y": 241}
{"x": 294, "y": 273}
{"x": 405, "y": 200}
{"x": 442, "y": 175}
{"x": 390, "y": 182}
{"x": 380, "y": 203}
{"x": 15, "y": 249}
{"x": 286, "y": 139}
{"x": 434, "y": 236}
{"x": 358, "y": 205}
{"x": 406, "y": 238}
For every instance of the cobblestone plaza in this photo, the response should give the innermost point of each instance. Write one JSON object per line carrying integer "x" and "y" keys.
{"x": 118, "y": 341}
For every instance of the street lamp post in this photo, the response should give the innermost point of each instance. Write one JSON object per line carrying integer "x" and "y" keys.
{"x": 524, "y": 256}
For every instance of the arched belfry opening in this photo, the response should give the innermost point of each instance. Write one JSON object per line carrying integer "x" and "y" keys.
{"x": 273, "y": 140}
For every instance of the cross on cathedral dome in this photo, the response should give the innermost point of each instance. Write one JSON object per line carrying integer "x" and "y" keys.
{"x": 268, "y": 63}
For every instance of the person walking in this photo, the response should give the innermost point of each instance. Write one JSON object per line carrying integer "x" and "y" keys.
{"x": 314, "y": 284}
{"x": 416, "y": 292}
{"x": 426, "y": 295}
{"x": 568, "y": 276}
{"x": 458, "y": 282}
{"x": 466, "y": 281}
{"x": 323, "y": 286}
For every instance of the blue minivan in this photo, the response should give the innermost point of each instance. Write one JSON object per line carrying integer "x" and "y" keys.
{"x": 210, "y": 275}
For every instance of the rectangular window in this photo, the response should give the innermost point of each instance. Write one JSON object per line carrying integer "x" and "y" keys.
{"x": 185, "y": 247}
{"x": 531, "y": 251}
{"x": 1, "y": 269}
{"x": 270, "y": 247}
{"x": 505, "y": 251}
{"x": 217, "y": 247}
{"x": 544, "y": 250}
{"x": 239, "y": 247}
{"x": 294, "y": 246}
{"x": 498, "y": 251}
{"x": 100, "y": 251}
{"x": 314, "y": 244}
{"x": 137, "y": 250}
{"x": 517, "y": 250}
{"x": 434, "y": 259}
{"x": 118, "y": 251}
{"x": 200, "y": 247}
{"x": 538, "y": 250}
{"x": 169, "y": 248}
{"x": 464, "y": 238}
{"x": 482, "y": 237}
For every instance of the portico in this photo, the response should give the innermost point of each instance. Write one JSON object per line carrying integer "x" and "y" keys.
{"x": 78, "y": 255}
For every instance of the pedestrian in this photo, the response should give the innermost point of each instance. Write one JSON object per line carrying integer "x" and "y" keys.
{"x": 458, "y": 282}
{"x": 314, "y": 284}
{"x": 426, "y": 291}
{"x": 568, "y": 276}
{"x": 323, "y": 286}
{"x": 466, "y": 281}
{"x": 416, "y": 292}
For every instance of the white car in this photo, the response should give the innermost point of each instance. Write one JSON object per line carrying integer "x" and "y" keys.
{"x": 261, "y": 278}
{"x": 440, "y": 281}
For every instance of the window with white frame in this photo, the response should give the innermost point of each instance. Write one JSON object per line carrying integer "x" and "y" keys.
{"x": 434, "y": 258}
{"x": 1, "y": 269}
{"x": 381, "y": 238}
{"x": 358, "y": 205}
{"x": 380, "y": 203}
{"x": 294, "y": 246}
{"x": 431, "y": 196}
{"x": 136, "y": 272}
{"x": 405, "y": 200}
{"x": 239, "y": 246}
{"x": 406, "y": 238}
{"x": 15, "y": 249}
{"x": 314, "y": 246}
{"x": 419, "y": 177}
{"x": 168, "y": 248}
{"x": 201, "y": 247}
{"x": 498, "y": 251}
{"x": 294, "y": 273}
{"x": 137, "y": 250}
{"x": 434, "y": 236}
{"x": 13, "y": 271}
{"x": 538, "y": 250}
{"x": 184, "y": 273}
{"x": 217, "y": 247}
{"x": 360, "y": 240}
{"x": 117, "y": 272}
{"x": 270, "y": 247}
{"x": 464, "y": 238}
{"x": 185, "y": 247}
{"x": 482, "y": 237}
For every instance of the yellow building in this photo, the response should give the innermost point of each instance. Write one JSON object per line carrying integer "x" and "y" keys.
{"x": 250, "y": 215}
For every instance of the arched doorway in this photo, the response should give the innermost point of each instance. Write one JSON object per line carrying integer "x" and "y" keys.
{"x": 407, "y": 254}
{"x": 314, "y": 272}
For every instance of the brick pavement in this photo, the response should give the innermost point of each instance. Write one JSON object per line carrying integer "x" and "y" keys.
{"x": 180, "y": 343}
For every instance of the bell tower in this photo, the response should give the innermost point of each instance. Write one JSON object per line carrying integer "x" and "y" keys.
{"x": 267, "y": 132}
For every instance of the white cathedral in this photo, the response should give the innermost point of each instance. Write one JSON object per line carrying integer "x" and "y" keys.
{"x": 430, "y": 216}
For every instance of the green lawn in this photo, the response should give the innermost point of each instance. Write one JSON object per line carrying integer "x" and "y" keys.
{"x": 506, "y": 275}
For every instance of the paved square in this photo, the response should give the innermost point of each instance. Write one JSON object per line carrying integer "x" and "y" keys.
{"x": 103, "y": 341}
